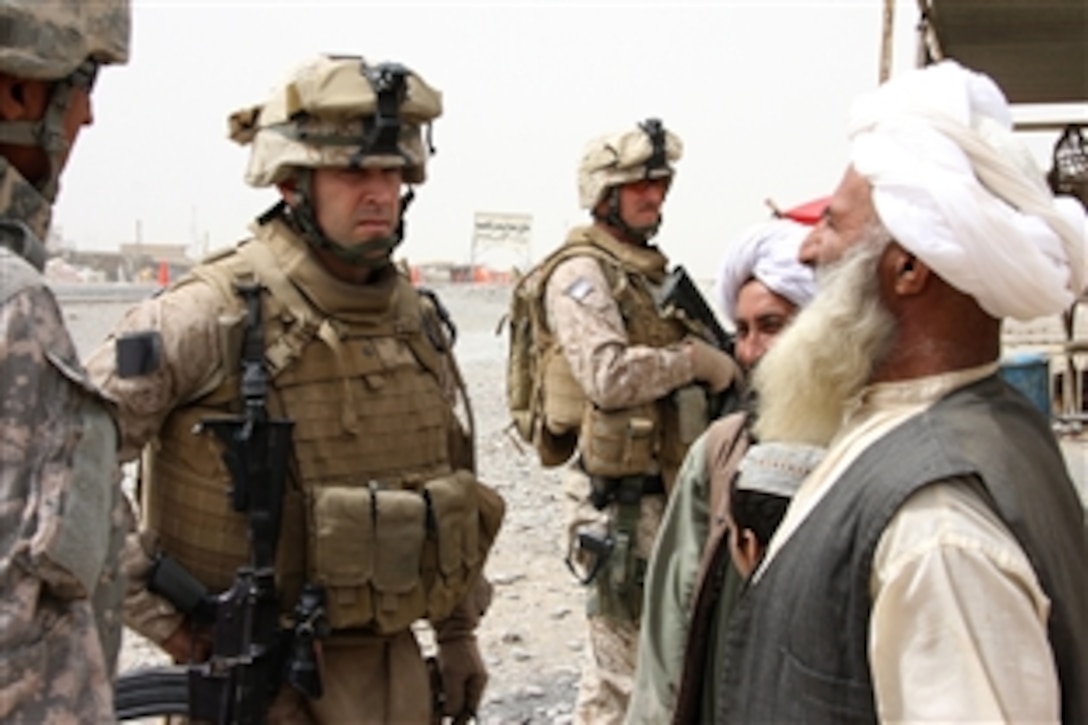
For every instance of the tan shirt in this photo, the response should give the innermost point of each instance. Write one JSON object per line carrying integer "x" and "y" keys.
{"x": 587, "y": 323}
{"x": 959, "y": 619}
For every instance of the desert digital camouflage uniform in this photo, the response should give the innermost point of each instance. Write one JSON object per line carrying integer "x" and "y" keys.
{"x": 63, "y": 516}
{"x": 381, "y": 506}
{"x": 592, "y": 332}
{"x": 625, "y": 360}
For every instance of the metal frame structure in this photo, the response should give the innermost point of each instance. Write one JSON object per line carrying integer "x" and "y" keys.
{"x": 1036, "y": 50}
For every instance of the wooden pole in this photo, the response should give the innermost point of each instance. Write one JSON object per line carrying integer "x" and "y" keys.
{"x": 886, "y": 41}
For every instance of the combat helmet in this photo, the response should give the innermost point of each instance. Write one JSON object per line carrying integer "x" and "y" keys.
{"x": 64, "y": 41}
{"x": 342, "y": 112}
{"x": 608, "y": 162}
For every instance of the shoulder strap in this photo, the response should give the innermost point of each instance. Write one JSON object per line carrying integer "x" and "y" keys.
{"x": 424, "y": 311}
{"x": 284, "y": 350}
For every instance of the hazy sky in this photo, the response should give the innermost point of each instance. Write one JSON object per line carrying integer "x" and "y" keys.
{"x": 757, "y": 90}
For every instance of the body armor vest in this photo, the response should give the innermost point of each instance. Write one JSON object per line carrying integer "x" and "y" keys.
{"x": 375, "y": 510}
{"x": 637, "y": 440}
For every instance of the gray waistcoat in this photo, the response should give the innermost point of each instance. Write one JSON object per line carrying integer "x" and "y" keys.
{"x": 798, "y": 640}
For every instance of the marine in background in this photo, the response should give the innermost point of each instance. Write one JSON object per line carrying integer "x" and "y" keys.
{"x": 622, "y": 385}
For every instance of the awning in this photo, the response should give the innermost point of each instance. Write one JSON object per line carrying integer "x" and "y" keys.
{"x": 1036, "y": 50}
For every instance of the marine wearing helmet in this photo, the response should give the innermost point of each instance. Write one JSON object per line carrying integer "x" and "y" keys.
{"x": 340, "y": 112}
{"x": 613, "y": 383}
{"x": 610, "y": 162}
{"x": 382, "y": 509}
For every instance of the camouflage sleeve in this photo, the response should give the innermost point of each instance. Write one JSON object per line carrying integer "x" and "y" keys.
{"x": 42, "y": 425}
{"x": 188, "y": 318}
{"x": 587, "y": 323}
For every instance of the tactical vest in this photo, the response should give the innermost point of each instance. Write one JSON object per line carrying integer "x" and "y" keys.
{"x": 612, "y": 443}
{"x": 798, "y": 640}
{"x": 382, "y": 507}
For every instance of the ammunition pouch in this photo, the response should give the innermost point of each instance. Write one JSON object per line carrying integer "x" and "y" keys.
{"x": 556, "y": 436}
{"x": 564, "y": 399}
{"x": 389, "y": 557}
{"x": 618, "y": 443}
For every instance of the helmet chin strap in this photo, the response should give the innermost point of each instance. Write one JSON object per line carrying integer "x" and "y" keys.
{"x": 360, "y": 255}
{"x": 48, "y": 133}
{"x": 614, "y": 219}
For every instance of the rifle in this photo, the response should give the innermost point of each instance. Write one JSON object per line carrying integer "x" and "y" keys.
{"x": 679, "y": 294}
{"x": 250, "y": 657}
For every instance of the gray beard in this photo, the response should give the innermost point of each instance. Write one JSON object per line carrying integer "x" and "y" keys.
{"x": 828, "y": 353}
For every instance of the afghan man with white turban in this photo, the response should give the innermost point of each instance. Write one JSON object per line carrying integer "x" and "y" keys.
{"x": 762, "y": 284}
{"x": 934, "y": 564}
{"x": 690, "y": 582}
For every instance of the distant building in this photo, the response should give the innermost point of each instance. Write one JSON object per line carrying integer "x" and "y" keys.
{"x": 143, "y": 261}
{"x": 133, "y": 262}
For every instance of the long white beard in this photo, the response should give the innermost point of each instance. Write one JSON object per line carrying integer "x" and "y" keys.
{"x": 828, "y": 353}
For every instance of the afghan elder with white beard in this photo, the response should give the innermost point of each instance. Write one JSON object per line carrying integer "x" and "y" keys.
{"x": 932, "y": 567}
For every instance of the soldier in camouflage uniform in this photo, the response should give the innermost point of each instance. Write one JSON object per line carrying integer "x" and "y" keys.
{"x": 382, "y": 508}
{"x": 621, "y": 377}
{"x": 63, "y": 514}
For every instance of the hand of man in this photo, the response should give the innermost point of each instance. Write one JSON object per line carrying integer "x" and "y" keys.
{"x": 186, "y": 646}
{"x": 464, "y": 676}
{"x": 710, "y": 365}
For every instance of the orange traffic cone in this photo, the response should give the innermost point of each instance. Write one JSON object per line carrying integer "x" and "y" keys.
{"x": 164, "y": 274}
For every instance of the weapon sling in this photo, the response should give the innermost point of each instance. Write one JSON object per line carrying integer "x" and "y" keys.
{"x": 247, "y": 664}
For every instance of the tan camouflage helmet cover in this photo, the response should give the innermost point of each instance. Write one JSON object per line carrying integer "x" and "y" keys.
{"x": 319, "y": 118}
{"x": 49, "y": 39}
{"x": 621, "y": 158}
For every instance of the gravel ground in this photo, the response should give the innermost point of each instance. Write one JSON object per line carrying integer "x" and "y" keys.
{"x": 534, "y": 635}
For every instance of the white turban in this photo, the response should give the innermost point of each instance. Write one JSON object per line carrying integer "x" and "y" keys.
{"x": 957, "y": 189}
{"x": 768, "y": 253}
